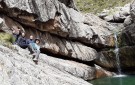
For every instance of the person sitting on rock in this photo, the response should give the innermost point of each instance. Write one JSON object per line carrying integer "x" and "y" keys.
{"x": 31, "y": 44}
{"x": 31, "y": 40}
{"x": 16, "y": 34}
{"x": 35, "y": 50}
{"x": 22, "y": 41}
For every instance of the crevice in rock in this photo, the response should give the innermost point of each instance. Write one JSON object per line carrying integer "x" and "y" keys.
{"x": 97, "y": 46}
{"x": 117, "y": 21}
{"x": 53, "y": 52}
{"x": 47, "y": 52}
{"x": 59, "y": 55}
{"x": 94, "y": 46}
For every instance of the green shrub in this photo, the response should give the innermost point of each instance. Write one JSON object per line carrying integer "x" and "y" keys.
{"x": 97, "y": 6}
{"x": 7, "y": 38}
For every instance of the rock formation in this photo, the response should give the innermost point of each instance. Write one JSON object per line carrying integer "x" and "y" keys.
{"x": 126, "y": 42}
{"x": 74, "y": 42}
{"x": 118, "y": 14}
{"x": 73, "y": 38}
{"x": 67, "y": 34}
{"x": 108, "y": 60}
{"x": 17, "y": 67}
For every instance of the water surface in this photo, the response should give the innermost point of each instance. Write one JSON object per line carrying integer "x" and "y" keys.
{"x": 123, "y": 80}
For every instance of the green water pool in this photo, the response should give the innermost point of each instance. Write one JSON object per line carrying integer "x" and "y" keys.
{"x": 123, "y": 80}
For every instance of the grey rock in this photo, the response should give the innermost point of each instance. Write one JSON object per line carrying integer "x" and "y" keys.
{"x": 41, "y": 15}
{"x": 127, "y": 21}
{"x": 118, "y": 14}
{"x": 132, "y": 10}
{"x": 69, "y": 3}
{"x": 17, "y": 67}
{"x": 109, "y": 18}
{"x": 107, "y": 59}
{"x": 104, "y": 13}
{"x": 128, "y": 36}
{"x": 54, "y": 44}
{"x": 76, "y": 69}
{"x": 100, "y": 72}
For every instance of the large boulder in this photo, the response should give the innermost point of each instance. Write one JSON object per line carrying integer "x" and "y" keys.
{"x": 53, "y": 43}
{"x": 118, "y": 14}
{"x": 107, "y": 59}
{"x": 100, "y": 72}
{"x": 128, "y": 34}
{"x": 74, "y": 68}
{"x": 42, "y": 15}
{"x": 132, "y": 10}
{"x": 126, "y": 44}
{"x": 128, "y": 21}
{"x": 69, "y": 3}
{"x": 17, "y": 67}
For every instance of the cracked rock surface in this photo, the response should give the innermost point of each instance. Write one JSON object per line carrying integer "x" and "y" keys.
{"x": 17, "y": 67}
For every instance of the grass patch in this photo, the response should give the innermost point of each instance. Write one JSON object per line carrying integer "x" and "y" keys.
{"x": 6, "y": 40}
{"x": 6, "y": 37}
{"x": 97, "y": 6}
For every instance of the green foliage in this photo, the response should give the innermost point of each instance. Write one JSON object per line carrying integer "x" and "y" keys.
{"x": 6, "y": 38}
{"x": 96, "y": 6}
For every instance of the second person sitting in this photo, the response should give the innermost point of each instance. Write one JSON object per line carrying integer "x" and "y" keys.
{"x": 22, "y": 41}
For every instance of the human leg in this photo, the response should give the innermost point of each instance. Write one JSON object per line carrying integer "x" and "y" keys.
{"x": 36, "y": 55}
{"x": 31, "y": 49}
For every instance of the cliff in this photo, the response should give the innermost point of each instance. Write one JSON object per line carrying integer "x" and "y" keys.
{"x": 17, "y": 67}
{"x": 72, "y": 43}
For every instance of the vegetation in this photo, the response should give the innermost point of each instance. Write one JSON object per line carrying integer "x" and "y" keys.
{"x": 96, "y": 6}
{"x": 6, "y": 39}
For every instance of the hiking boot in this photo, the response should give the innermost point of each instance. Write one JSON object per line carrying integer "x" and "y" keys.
{"x": 36, "y": 62}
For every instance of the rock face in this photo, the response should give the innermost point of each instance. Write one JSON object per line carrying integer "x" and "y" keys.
{"x": 53, "y": 43}
{"x": 100, "y": 72}
{"x": 126, "y": 43}
{"x": 128, "y": 34}
{"x": 16, "y": 67}
{"x": 67, "y": 34}
{"x": 70, "y": 39}
{"x": 118, "y": 14}
{"x": 41, "y": 16}
{"x": 108, "y": 60}
{"x": 74, "y": 68}
{"x": 64, "y": 33}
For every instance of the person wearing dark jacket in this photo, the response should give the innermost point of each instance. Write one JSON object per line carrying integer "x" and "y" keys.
{"x": 31, "y": 40}
{"x": 16, "y": 34}
{"x": 30, "y": 44}
{"x": 22, "y": 41}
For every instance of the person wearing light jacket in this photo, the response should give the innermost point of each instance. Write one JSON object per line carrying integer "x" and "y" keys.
{"x": 34, "y": 49}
